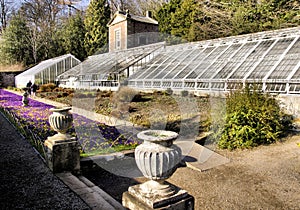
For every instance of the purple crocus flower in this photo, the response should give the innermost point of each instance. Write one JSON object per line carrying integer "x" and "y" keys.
{"x": 92, "y": 135}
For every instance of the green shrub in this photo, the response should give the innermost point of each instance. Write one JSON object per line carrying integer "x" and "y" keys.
{"x": 184, "y": 93}
{"x": 58, "y": 89}
{"x": 252, "y": 118}
{"x": 168, "y": 92}
{"x": 65, "y": 94}
{"x": 157, "y": 93}
{"x": 125, "y": 94}
{"x": 47, "y": 87}
{"x": 90, "y": 95}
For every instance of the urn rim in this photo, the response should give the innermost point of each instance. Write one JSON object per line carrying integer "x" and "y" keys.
{"x": 60, "y": 109}
{"x": 157, "y": 135}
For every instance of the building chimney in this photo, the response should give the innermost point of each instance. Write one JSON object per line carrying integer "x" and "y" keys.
{"x": 148, "y": 14}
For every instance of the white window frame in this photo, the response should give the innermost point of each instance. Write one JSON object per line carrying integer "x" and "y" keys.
{"x": 117, "y": 34}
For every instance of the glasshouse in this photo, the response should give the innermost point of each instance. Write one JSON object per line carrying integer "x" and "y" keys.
{"x": 270, "y": 60}
{"x": 46, "y": 71}
{"x": 109, "y": 69}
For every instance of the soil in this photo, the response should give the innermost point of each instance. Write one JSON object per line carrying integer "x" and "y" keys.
{"x": 266, "y": 177}
{"x": 157, "y": 109}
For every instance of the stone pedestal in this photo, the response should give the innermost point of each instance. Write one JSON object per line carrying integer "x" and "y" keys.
{"x": 62, "y": 155}
{"x": 135, "y": 199}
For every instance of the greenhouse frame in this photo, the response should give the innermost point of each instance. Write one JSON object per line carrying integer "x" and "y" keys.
{"x": 46, "y": 71}
{"x": 270, "y": 60}
{"x": 108, "y": 70}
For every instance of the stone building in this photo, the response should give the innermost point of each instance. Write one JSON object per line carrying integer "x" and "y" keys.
{"x": 127, "y": 30}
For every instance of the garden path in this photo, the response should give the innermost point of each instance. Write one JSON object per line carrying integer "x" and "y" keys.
{"x": 26, "y": 181}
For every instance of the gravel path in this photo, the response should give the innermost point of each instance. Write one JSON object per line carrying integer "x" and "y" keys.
{"x": 26, "y": 182}
{"x": 267, "y": 177}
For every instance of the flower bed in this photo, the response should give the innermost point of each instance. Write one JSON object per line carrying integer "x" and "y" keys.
{"x": 32, "y": 121}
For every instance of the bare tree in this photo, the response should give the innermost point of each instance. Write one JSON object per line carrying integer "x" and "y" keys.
{"x": 150, "y": 5}
{"x": 41, "y": 17}
{"x": 70, "y": 4}
{"x": 138, "y": 7}
{"x": 6, "y": 8}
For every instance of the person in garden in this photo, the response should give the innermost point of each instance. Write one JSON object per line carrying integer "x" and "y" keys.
{"x": 28, "y": 87}
{"x": 34, "y": 87}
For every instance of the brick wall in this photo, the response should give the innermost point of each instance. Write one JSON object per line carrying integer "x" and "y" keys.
{"x": 120, "y": 26}
{"x": 133, "y": 34}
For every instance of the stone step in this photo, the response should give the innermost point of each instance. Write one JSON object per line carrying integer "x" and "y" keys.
{"x": 95, "y": 197}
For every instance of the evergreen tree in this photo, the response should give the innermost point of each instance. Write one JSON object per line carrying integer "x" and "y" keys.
{"x": 72, "y": 36}
{"x": 97, "y": 17}
{"x": 251, "y": 16}
{"x": 183, "y": 18}
{"x": 15, "y": 46}
{"x": 164, "y": 16}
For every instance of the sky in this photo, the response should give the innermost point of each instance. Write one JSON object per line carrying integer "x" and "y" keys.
{"x": 80, "y": 4}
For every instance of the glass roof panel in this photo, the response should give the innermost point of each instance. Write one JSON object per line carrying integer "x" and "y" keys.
{"x": 170, "y": 62}
{"x": 271, "y": 58}
{"x": 192, "y": 63}
{"x": 200, "y": 59}
{"x": 284, "y": 68}
{"x": 90, "y": 63}
{"x": 208, "y": 61}
{"x": 176, "y": 65}
{"x": 221, "y": 61}
{"x": 252, "y": 59}
{"x": 288, "y": 63}
{"x": 263, "y": 68}
{"x": 235, "y": 61}
{"x": 297, "y": 74}
{"x": 112, "y": 62}
{"x": 45, "y": 64}
{"x": 152, "y": 64}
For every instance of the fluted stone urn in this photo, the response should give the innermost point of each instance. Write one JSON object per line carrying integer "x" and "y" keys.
{"x": 60, "y": 120}
{"x": 62, "y": 150}
{"x": 157, "y": 158}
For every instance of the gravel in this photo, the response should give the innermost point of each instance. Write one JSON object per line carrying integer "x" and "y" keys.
{"x": 26, "y": 182}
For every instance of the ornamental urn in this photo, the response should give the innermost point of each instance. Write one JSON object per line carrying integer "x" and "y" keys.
{"x": 157, "y": 158}
{"x": 25, "y": 100}
{"x": 61, "y": 120}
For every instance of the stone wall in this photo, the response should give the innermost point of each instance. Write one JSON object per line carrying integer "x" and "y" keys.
{"x": 7, "y": 79}
{"x": 291, "y": 103}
